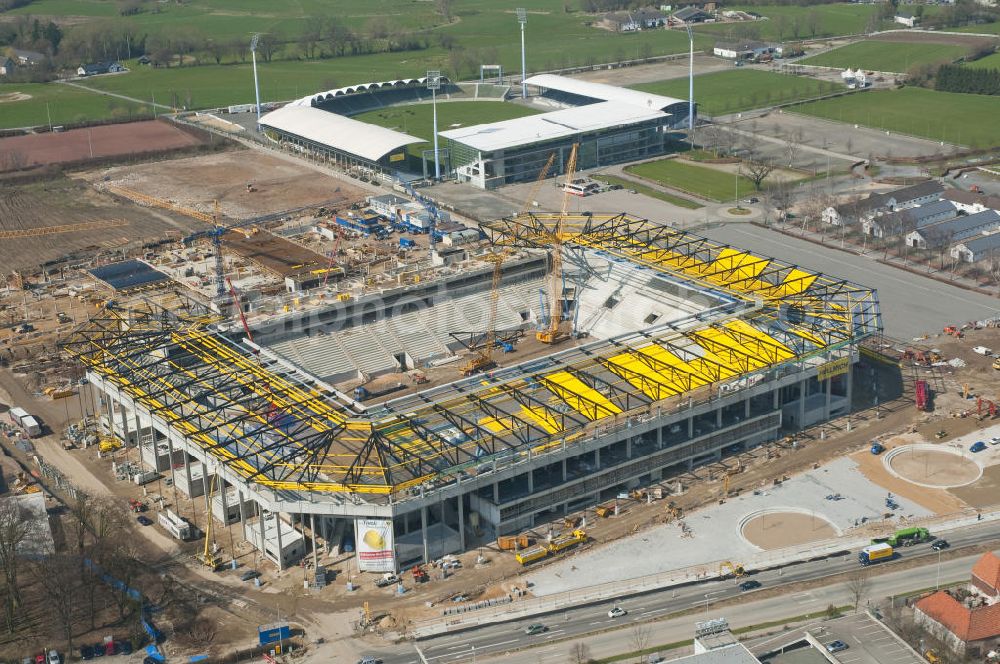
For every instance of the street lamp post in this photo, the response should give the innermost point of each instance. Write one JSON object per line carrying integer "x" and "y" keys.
{"x": 256, "y": 85}
{"x": 690, "y": 84}
{"x": 522, "y": 18}
{"x": 434, "y": 84}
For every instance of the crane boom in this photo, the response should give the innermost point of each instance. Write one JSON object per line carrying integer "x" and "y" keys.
{"x": 553, "y": 333}
{"x": 65, "y": 228}
{"x": 484, "y": 357}
{"x": 533, "y": 192}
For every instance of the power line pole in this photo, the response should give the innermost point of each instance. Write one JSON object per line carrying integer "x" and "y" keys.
{"x": 522, "y": 18}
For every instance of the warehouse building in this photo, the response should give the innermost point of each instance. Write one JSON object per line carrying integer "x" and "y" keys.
{"x": 611, "y": 125}
{"x": 683, "y": 351}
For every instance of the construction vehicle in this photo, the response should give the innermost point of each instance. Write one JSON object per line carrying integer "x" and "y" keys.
{"x": 727, "y": 568}
{"x": 136, "y": 506}
{"x": 905, "y": 537}
{"x": 875, "y": 553}
{"x": 605, "y": 511}
{"x": 386, "y": 579}
{"x": 512, "y": 542}
{"x": 109, "y": 444}
{"x": 483, "y": 359}
{"x": 553, "y": 332}
{"x": 953, "y": 331}
{"x": 420, "y": 575}
{"x": 932, "y": 657}
{"x": 985, "y": 406}
{"x": 996, "y": 364}
{"x": 531, "y": 554}
{"x": 563, "y": 542}
{"x": 922, "y": 394}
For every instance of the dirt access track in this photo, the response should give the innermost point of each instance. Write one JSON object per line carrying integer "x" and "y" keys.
{"x": 76, "y": 145}
{"x": 196, "y": 182}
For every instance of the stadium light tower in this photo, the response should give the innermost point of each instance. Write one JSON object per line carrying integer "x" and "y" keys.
{"x": 256, "y": 85}
{"x": 690, "y": 85}
{"x": 434, "y": 84}
{"x": 522, "y": 18}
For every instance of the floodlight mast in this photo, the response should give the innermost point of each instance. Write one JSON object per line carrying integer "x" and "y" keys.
{"x": 434, "y": 84}
{"x": 690, "y": 85}
{"x": 256, "y": 85}
{"x": 522, "y": 18}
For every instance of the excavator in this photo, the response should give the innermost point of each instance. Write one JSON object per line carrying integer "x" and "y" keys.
{"x": 554, "y": 332}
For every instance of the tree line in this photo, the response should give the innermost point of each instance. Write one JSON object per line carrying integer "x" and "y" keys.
{"x": 955, "y": 78}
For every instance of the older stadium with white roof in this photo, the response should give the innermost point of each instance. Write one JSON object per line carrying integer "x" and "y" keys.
{"x": 610, "y": 124}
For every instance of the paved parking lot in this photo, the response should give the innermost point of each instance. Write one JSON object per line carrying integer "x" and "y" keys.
{"x": 868, "y": 642}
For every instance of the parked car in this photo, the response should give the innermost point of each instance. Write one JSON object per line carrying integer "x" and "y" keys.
{"x": 143, "y": 520}
{"x": 54, "y": 658}
{"x": 836, "y": 646}
{"x": 978, "y": 446}
{"x": 249, "y": 575}
{"x": 534, "y": 628}
{"x": 995, "y": 440}
{"x": 124, "y": 647}
{"x": 617, "y": 612}
{"x": 749, "y": 585}
{"x": 98, "y": 649}
{"x": 940, "y": 545}
{"x": 86, "y": 652}
{"x": 369, "y": 659}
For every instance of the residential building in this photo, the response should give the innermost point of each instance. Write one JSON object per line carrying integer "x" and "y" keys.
{"x": 970, "y": 201}
{"x": 876, "y": 204}
{"x": 27, "y": 58}
{"x": 903, "y": 221}
{"x": 744, "y": 50}
{"x": 96, "y": 68}
{"x": 977, "y": 249}
{"x": 906, "y": 18}
{"x": 958, "y": 229}
{"x": 7, "y": 66}
{"x": 967, "y": 620}
{"x": 633, "y": 21}
{"x": 690, "y": 14}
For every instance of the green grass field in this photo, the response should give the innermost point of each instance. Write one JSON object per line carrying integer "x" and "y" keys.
{"x": 740, "y": 89}
{"x": 707, "y": 182}
{"x": 989, "y": 62}
{"x": 646, "y": 190}
{"x": 65, "y": 104}
{"x": 984, "y": 28}
{"x": 886, "y": 56}
{"x": 789, "y": 23}
{"x": 418, "y": 119}
{"x": 941, "y": 116}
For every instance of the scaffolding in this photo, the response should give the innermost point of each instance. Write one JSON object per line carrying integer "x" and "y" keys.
{"x": 275, "y": 426}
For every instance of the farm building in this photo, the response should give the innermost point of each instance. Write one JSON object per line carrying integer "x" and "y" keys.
{"x": 672, "y": 358}
{"x": 875, "y": 204}
{"x": 611, "y": 125}
{"x": 902, "y": 221}
{"x": 690, "y": 14}
{"x": 97, "y": 68}
{"x": 958, "y": 229}
{"x": 970, "y": 202}
{"x": 744, "y": 50}
{"x": 977, "y": 249}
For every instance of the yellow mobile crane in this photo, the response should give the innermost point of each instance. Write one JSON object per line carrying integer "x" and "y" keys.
{"x": 483, "y": 359}
{"x": 554, "y": 333}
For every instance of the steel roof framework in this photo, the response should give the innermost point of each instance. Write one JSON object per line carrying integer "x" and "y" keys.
{"x": 284, "y": 431}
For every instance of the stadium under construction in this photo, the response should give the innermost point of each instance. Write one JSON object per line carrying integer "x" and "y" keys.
{"x": 681, "y": 351}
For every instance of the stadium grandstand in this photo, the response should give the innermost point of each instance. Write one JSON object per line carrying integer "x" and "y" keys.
{"x": 611, "y": 124}
{"x": 680, "y": 350}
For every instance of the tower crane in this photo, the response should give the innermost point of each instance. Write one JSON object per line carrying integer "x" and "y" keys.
{"x": 65, "y": 228}
{"x": 483, "y": 359}
{"x": 553, "y": 333}
{"x": 333, "y": 255}
{"x": 533, "y": 192}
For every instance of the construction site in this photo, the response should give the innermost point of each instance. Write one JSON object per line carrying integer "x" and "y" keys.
{"x": 329, "y": 383}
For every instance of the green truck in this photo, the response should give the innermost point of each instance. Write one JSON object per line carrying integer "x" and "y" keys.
{"x": 905, "y": 537}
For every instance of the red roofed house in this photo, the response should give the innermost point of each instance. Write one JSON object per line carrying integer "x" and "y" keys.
{"x": 971, "y": 625}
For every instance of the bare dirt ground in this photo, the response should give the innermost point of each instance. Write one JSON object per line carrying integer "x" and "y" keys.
{"x": 91, "y": 143}
{"x": 935, "y": 467}
{"x": 61, "y": 201}
{"x": 932, "y": 38}
{"x": 780, "y": 529}
{"x": 196, "y": 182}
{"x": 938, "y": 501}
{"x": 661, "y": 71}
{"x": 983, "y": 493}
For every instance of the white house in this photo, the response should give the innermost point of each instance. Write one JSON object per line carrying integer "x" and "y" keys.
{"x": 900, "y": 221}
{"x": 907, "y": 19}
{"x": 958, "y": 229}
{"x": 745, "y": 50}
{"x": 977, "y": 249}
{"x": 877, "y": 204}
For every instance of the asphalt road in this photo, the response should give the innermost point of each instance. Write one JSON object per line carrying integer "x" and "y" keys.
{"x": 911, "y": 305}
{"x": 499, "y": 640}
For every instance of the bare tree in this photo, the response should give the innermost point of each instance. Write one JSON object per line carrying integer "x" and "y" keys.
{"x": 993, "y": 267}
{"x": 580, "y": 654}
{"x": 15, "y": 529}
{"x": 857, "y": 585}
{"x": 757, "y": 169}
{"x": 59, "y": 576}
{"x": 640, "y": 639}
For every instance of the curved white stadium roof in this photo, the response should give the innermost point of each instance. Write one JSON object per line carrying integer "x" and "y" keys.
{"x": 352, "y": 136}
{"x": 320, "y": 97}
{"x": 602, "y": 91}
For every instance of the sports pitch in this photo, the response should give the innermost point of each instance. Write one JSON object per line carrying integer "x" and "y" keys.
{"x": 705, "y": 182}
{"x": 739, "y": 90}
{"x": 876, "y": 55}
{"x": 32, "y": 104}
{"x": 961, "y": 119}
{"x": 791, "y": 23}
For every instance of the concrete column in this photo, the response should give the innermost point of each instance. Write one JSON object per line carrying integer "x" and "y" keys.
{"x": 173, "y": 471}
{"x": 312, "y": 531}
{"x": 277, "y": 534}
{"x": 829, "y": 398}
{"x": 531, "y": 481}
{"x": 628, "y": 447}
{"x": 690, "y": 427}
{"x": 496, "y": 493}
{"x": 225, "y": 505}
{"x": 777, "y": 397}
{"x": 187, "y": 472}
{"x": 461, "y": 522}
{"x": 138, "y": 428}
{"x": 263, "y": 534}
{"x": 659, "y": 437}
{"x": 746, "y": 408}
{"x": 565, "y": 476}
{"x": 849, "y": 388}
{"x": 423, "y": 534}
{"x": 597, "y": 458}
{"x": 803, "y": 390}
{"x": 718, "y": 417}
{"x": 243, "y": 512}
